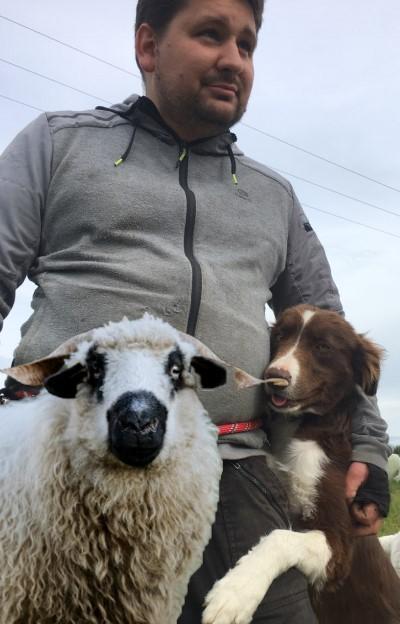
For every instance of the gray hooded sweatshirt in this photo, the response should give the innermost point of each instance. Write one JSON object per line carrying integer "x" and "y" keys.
{"x": 167, "y": 231}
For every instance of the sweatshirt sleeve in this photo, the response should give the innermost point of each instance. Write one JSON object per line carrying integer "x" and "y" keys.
{"x": 24, "y": 180}
{"x": 307, "y": 278}
{"x": 307, "y": 275}
{"x": 369, "y": 439}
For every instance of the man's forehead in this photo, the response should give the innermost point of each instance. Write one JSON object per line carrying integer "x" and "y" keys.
{"x": 199, "y": 11}
{"x": 226, "y": 21}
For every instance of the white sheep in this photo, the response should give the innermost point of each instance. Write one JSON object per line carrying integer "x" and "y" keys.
{"x": 394, "y": 467}
{"x": 108, "y": 489}
{"x": 391, "y": 545}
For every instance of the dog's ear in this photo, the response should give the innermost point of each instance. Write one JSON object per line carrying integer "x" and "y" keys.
{"x": 367, "y": 364}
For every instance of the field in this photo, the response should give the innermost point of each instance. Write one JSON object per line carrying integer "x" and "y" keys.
{"x": 392, "y": 522}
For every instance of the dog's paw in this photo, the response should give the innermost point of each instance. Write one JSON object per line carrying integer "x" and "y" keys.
{"x": 232, "y": 600}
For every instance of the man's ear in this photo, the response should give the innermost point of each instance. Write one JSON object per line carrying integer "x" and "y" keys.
{"x": 146, "y": 48}
{"x": 64, "y": 384}
{"x": 210, "y": 372}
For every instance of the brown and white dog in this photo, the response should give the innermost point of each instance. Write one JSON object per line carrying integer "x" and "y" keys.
{"x": 318, "y": 365}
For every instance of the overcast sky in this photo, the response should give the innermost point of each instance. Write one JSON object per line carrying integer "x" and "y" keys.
{"x": 327, "y": 81}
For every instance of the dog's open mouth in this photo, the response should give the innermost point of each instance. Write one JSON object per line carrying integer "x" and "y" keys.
{"x": 279, "y": 401}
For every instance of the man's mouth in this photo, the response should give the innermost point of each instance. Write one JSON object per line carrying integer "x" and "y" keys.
{"x": 224, "y": 88}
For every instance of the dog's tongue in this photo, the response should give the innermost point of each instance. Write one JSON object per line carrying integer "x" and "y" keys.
{"x": 279, "y": 401}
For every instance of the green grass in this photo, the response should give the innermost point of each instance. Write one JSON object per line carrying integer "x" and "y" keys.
{"x": 392, "y": 522}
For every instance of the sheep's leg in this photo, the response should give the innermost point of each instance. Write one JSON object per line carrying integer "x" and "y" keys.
{"x": 235, "y": 597}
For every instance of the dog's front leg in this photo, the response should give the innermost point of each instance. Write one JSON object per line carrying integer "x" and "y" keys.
{"x": 235, "y": 597}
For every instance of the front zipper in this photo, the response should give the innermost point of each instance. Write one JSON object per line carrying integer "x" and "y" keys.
{"x": 188, "y": 243}
{"x": 248, "y": 475}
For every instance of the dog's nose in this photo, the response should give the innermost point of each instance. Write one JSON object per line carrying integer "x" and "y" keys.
{"x": 275, "y": 376}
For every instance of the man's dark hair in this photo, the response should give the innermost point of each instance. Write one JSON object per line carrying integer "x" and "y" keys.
{"x": 159, "y": 13}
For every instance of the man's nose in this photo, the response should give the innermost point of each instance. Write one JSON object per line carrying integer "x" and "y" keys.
{"x": 231, "y": 58}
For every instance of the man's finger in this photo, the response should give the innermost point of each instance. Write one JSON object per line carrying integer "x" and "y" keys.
{"x": 373, "y": 529}
{"x": 364, "y": 514}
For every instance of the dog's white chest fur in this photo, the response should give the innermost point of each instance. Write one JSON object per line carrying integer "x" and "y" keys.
{"x": 305, "y": 463}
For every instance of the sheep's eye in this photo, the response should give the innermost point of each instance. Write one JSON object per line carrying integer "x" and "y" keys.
{"x": 96, "y": 371}
{"x": 175, "y": 371}
{"x": 96, "y": 365}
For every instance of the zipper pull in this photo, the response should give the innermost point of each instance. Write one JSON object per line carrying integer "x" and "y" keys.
{"x": 181, "y": 156}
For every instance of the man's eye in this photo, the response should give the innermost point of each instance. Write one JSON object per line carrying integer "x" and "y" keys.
{"x": 175, "y": 371}
{"x": 210, "y": 33}
{"x": 246, "y": 46}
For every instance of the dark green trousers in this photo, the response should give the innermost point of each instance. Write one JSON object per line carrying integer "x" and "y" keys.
{"x": 252, "y": 503}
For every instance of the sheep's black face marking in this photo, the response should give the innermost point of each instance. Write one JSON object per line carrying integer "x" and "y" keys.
{"x": 96, "y": 366}
{"x": 174, "y": 368}
{"x": 136, "y": 427}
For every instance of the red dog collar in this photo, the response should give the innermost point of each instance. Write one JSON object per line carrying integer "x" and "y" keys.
{"x": 240, "y": 427}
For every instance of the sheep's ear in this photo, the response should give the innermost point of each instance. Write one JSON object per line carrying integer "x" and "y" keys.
{"x": 211, "y": 373}
{"x": 207, "y": 359}
{"x": 367, "y": 365}
{"x": 34, "y": 373}
{"x": 64, "y": 384}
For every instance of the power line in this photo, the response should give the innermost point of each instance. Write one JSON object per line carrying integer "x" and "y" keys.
{"x": 314, "y": 155}
{"x": 5, "y": 97}
{"x": 63, "y": 84}
{"x": 326, "y": 188}
{"x": 267, "y": 134}
{"x": 71, "y": 47}
{"x": 332, "y": 214}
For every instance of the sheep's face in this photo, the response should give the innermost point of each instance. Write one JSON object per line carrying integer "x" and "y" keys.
{"x": 135, "y": 396}
{"x": 132, "y": 386}
{"x": 130, "y": 391}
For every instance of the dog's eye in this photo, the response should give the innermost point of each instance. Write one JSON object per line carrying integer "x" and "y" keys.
{"x": 322, "y": 347}
{"x": 175, "y": 371}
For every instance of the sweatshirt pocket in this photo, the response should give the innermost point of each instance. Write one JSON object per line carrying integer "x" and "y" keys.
{"x": 272, "y": 499}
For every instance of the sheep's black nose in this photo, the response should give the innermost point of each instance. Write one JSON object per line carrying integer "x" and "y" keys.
{"x": 137, "y": 422}
{"x": 136, "y": 411}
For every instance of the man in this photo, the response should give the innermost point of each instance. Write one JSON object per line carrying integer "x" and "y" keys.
{"x": 187, "y": 227}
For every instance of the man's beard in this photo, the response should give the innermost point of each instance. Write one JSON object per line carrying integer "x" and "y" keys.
{"x": 191, "y": 110}
{"x": 208, "y": 112}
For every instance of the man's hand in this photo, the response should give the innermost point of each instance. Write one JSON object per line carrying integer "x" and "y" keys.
{"x": 366, "y": 518}
{"x": 357, "y": 474}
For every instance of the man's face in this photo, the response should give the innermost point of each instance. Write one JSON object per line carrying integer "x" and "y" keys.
{"x": 203, "y": 67}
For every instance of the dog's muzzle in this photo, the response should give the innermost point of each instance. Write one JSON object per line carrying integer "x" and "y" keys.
{"x": 136, "y": 427}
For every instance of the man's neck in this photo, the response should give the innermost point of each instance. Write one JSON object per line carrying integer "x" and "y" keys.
{"x": 189, "y": 133}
